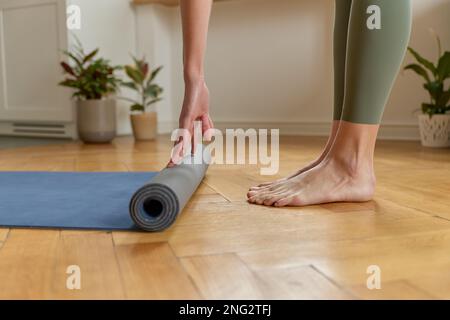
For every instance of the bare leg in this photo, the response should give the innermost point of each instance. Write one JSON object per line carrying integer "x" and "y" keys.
{"x": 341, "y": 21}
{"x": 334, "y": 129}
{"x": 374, "y": 56}
{"x": 345, "y": 174}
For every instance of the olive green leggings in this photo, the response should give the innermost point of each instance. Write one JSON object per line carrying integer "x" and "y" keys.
{"x": 370, "y": 41}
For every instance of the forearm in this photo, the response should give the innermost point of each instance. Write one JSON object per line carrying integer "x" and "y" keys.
{"x": 195, "y": 19}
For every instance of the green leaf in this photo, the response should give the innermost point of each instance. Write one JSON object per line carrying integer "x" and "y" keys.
{"x": 426, "y": 63}
{"x": 444, "y": 99}
{"x": 95, "y": 81}
{"x": 428, "y": 108}
{"x": 154, "y": 74}
{"x": 134, "y": 74}
{"x": 74, "y": 58}
{"x": 419, "y": 70}
{"x": 90, "y": 56}
{"x": 130, "y": 85}
{"x": 138, "y": 62}
{"x": 153, "y": 90}
{"x": 153, "y": 101}
{"x": 67, "y": 68}
{"x": 435, "y": 88}
{"x": 431, "y": 109}
{"x": 70, "y": 83}
{"x": 443, "y": 69}
{"x": 137, "y": 107}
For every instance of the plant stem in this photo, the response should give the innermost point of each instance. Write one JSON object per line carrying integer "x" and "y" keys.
{"x": 143, "y": 98}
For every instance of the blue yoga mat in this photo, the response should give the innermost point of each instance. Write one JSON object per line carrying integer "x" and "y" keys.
{"x": 73, "y": 200}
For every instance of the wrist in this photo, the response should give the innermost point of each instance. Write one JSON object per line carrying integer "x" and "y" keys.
{"x": 192, "y": 77}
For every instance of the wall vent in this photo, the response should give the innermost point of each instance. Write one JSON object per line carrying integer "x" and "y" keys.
{"x": 55, "y": 130}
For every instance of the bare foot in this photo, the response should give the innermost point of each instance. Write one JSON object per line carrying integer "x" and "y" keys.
{"x": 276, "y": 182}
{"x": 334, "y": 130}
{"x": 329, "y": 181}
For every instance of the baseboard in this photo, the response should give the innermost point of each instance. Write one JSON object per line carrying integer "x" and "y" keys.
{"x": 387, "y": 131}
{"x": 38, "y": 129}
{"x": 407, "y": 132}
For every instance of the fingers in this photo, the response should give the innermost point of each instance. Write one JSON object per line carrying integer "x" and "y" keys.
{"x": 180, "y": 148}
{"x": 187, "y": 134}
{"x": 206, "y": 126}
{"x": 177, "y": 155}
{"x": 211, "y": 124}
{"x": 181, "y": 144}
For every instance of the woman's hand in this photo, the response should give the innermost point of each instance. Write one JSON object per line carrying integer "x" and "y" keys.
{"x": 195, "y": 19}
{"x": 195, "y": 108}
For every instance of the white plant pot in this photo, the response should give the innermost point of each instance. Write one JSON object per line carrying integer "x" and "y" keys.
{"x": 435, "y": 131}
{"x": 97, "y": 120}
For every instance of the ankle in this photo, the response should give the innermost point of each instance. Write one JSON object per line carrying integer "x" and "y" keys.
{"x": 355, "y": 166}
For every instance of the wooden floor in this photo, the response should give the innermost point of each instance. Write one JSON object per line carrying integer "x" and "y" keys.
{"x": 223, "y": 248}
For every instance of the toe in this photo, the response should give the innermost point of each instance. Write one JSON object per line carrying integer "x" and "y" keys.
{"x": 262, "y": 197}
{"x": 269, "y": 188}
{"x": 293, "y": 200}
{"x": 256, "y": 198}
{"x": 252, "y": 193}
{"x": 251, "y": 197}
{"x": 283, "y": 202}
{"x": 274, "y": 198}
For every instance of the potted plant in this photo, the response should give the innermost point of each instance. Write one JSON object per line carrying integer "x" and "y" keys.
{"x": 143, "y": 119}
{"x": 434, "y": 122}
{"x": 94, "y": 82}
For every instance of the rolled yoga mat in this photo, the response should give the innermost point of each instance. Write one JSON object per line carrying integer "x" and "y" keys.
{"x": 156, "y": 205}
{"x": 97, "y": 200}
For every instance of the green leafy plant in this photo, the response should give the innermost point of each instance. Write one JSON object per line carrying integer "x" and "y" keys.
{"x": 90, "y": 77}
{"x": 435, "y": 84}
{"x": 142, "y": 81}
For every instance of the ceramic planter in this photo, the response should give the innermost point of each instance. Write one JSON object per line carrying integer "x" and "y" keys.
{"x": 144, "y": 126}
{"x": 96, "y": 120}
{"x": 435, "y": 131}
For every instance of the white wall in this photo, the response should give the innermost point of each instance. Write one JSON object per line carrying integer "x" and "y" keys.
{"x": 270, "y": 63}
{"x": 408, "y": 94}
{"x": 155, "y": 31}
{"x": 111, "y": 26}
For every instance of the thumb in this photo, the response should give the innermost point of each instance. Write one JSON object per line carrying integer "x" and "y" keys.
{"x": 183, "y": 143}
